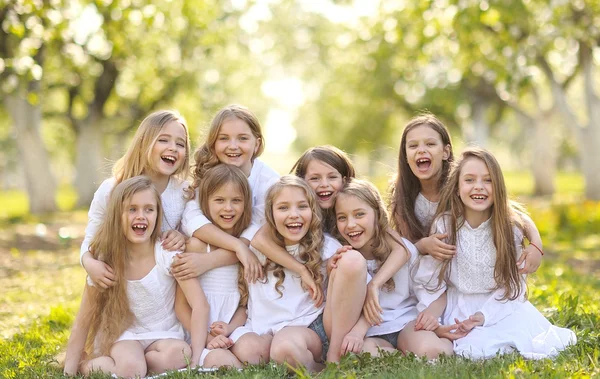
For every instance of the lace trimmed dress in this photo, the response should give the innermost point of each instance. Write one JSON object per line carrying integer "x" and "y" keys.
{"x": 509, "y": 325}
{"x": 152, "y": 302}
{"x": 425, "y": 210}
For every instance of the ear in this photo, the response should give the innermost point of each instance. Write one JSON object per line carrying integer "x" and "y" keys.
{"x": 258, "y": 145}
{"x": 446, "y": 153}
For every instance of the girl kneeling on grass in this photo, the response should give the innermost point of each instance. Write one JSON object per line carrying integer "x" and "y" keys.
{"x": 281, "y": 306}
{"x": 362, "y": 221}
{"x": 130, "y": 329}
{"x": 486, "y": 295}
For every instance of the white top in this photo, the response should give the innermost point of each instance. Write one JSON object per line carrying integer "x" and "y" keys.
{"x": 268, "y": 311}
{"x": 509, "y": 324}
{"x": 400, "y": 304}
{"x": 152, "y": 302}
{"x": 220, "y": 286}
{"x": 425, "y": 210}
{"x": 260, "y": 180}
{"x": 173, "y": 203}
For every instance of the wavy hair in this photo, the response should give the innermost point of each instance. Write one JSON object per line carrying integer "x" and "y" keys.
{"x": 311, "y": 243}
{"x": 111, "y": 314}
{"x": 215, "y": 178}
{"x": 406, "y": 186}
{"x": 368, "y": 193}
{"x": 205, "y": 155}
{"x": 505, "y": 215}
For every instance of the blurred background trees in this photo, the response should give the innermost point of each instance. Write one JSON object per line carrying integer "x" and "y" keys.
{"x": 517, "y": 77}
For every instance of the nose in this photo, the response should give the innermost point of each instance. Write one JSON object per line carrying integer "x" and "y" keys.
{"x": 323, "y": 182}
{"x": 228, "y": 205}
{"x": 294, "y": 212}
{"x": 351, "y": 221}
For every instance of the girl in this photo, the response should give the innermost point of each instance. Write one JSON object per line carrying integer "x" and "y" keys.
{"x": 159, "y": 150}
{"x": 130, "y": 329}
{"x": 226, "y": 201}
{"x": 280, "y": 305}
{"x": 362, "y": 221}
{"x": 235, "y": 138}
{"x": 424, "y": 162}
{"x": 485, "y": 293}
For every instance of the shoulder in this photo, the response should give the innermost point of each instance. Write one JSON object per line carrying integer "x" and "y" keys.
{"x": 264, "y": 171}
{"x": 107, "y": 186}
{"x": 330, "y": 246}
{"x": 163, "y": 258}
{"x": 261, "y": 257}
{"x": 178, "y": 185}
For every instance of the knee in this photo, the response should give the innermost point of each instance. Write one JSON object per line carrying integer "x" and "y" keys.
{"x": 131, "y": 369}
{"x": 254, "y": 350}
{"x": 428, "y": 349}
{"x": 178, "y": 353}
{"x": 281, "y": 350}
{"x": 352, "y": 263}
{"x": 219, "y": 358}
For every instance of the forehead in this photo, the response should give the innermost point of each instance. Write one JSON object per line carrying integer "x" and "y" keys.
{"x": 316, "y": 166}
{"x": 228, "y": 189}
{"x": 234, "y": 125}
{"x": 472, "y": 166}
{"x": 290, "y": 193}
{"x": 146, "y": 196}
{"x": 347, "y": 202}
{"x": 423, "y": 131}
{"x": 174, "y": 129}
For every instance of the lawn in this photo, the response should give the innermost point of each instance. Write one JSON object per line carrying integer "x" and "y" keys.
{"x": 41, "y": 281}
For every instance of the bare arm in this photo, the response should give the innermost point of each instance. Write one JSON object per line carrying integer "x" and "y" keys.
{"x": 183, "y": 311}
{"x": 429, "y": 318}
{"x": 264, "y": 243}
{"x": 195, "y": 261}
{"x": 199, "y": 316}
{"x": 78, "y": 336}
{"x": 531, "y": 256}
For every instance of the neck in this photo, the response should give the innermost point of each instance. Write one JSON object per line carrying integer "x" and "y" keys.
{"x": 475, "y": 218}
{"x": 429, "y": 189}
{"x": 140, "y": 250}
{"x": 367, "y": 251}
{"x": 247, "y": 169}
{"x": 159, "y": 181}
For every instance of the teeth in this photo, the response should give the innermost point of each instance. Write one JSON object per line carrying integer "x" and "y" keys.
{"x": 227, "y": 217}
{"x": 479, "y": 197}
{"x": 422, "y": 160}
{"x": 295, "y": 225}
{"x": 169, "y": 158}
{"x": 233, "y": 155}
{"x": 325, "y": 193}
{"x": 139, "y": 226}
{"x": 354, "y": 234}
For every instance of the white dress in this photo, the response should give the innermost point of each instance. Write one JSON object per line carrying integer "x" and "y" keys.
{"x": 152, "y": 302}
{"x": 509, "y": 325}
{"x": 425, "y": 210}
{"x": 260, "y": 180}
{"x": 173, "y": 203}
{"x": 399, "y": 305}
{"x": 268, "y": 311}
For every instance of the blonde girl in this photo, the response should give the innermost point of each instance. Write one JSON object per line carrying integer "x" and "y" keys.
{"x": 160, "y": 150}
{"x": 227, "y": 203}
{"x": 235, "y": 137}
{"x": 424, "y": 162}
{"x": 485, "y": 292}
{"x": 362, "y": 221}
{"x": 130, "y": 329}
{"x": 280, "y": 306}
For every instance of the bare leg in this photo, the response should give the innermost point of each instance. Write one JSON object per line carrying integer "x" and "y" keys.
{"x": 298, "y": 345}
{"x": 220, "y": 358}
{"x": 252, "y": 348}
{"x": 126, "y": 359}
{"x": 346, "y": 293}
{"x": 168, "y": 354}
{"x": 423, "y": 342}
{"x": 375, "y": 345}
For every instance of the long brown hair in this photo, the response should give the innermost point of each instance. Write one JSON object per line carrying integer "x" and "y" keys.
{"x": 333, "y": 157}
{"x": 137, "y": 158}
{"x": 368, "y": 193}
{"x": 406, "y": 186}
{"x": 205, "y": 156}
{"x": 215, "y": 178}
{"x": 504, "y": 217}
{"x": 312, "y": 242}
{"x": 111, "y": 314}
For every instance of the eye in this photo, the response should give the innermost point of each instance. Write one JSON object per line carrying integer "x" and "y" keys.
{"x": 412, "y": 146}
{"x": 303, "y": 206}
{"x": 223, "y": 138}
{"x": 313, "y": 179}
{"x": 334, "y": 177}
{"x": 180, "y": 144}
{"x": 487, "y": 180}
{"x": 431, "y": 144}
{"x": 163, "y": 140}
{"x": 244, "y": 138}
{"x": 360, "y": 214}
{"x": 282, "y": 208}
{"x": 341, "y": 218}
{"x": 238, "y": 201}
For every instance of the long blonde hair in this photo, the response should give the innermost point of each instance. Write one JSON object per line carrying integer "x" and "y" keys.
{"x": 137, "y": 158}
{"x": 215, "y": 178}
{"x": 205, "y": 156}
{"x": 368, "y": 193}
{"x": 312, "y": 242}
{"x": 505, "y": 215}
{"x": 111, "y": 314}
{"x": 406, "y": 186}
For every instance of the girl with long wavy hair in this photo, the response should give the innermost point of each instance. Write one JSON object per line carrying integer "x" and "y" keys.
{"x": 486, "y": 295}
{"x": 130, "y": 329}
{"x": 362, "y": 220}
{"x": 280, "y": 305}
{"x": 160, "y": 150}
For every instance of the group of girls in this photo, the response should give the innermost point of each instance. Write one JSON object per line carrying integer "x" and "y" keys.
{"x": 242, "y": 266}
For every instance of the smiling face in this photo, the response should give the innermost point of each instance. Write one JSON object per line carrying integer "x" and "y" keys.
{"x": 226, "y": 206}
{"x": 236, "y": 145}
{"x": 292, "y": 214}
{"x": 325, "y": 180}
{"x": 168, "y": 152}
{"x": 475, "y": 189}
{"x": 355, "y": 221}
{"x": 425, "y": 152}
{"x": 139, "y": 217}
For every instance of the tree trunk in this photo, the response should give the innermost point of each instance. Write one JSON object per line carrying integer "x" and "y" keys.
{"x": 543, "y": 159}
{"x": 88, "y": 162}
{"x": 590, "y": 160}
{"x": 40, "y": 182}
{"x": 481, "y": 127}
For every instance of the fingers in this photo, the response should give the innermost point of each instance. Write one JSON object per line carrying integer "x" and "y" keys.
{"x": 320, "y": 298}
{"x": 109, "y": 269}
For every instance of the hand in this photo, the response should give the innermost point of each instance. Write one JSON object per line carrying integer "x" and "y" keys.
{"x": 426, "y": 321}
{"x": 309, "y": 284}
{"x": 532, "y": 258}
{"x": 352, "y": 343}
{"x": 436, "y": 247}
{"x": 188, "y": 265}
{"x": 332, "y": 262}
{"x": 252, "y": 267}
{"x": 172, "y": 240}
{"x": 449, "y": 332}
{"x": 469, "y": 324}
{"x": 371, "y": 309}
{"x": 101, "y": 274}
{"x": 220, "y": 342}
{"x": 219, "y": 328}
